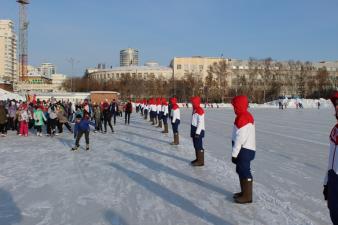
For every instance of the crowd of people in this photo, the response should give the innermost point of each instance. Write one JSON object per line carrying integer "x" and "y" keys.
{"x": 22, "y": 116}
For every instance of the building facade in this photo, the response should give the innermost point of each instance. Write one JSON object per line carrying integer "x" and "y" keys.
{"x": 129, "y": 57}
{"x": 8, "y": 49}
{"x": 47, "y": 70}
{"x": 195, "y": 65}
{"x": 148, "y": 71}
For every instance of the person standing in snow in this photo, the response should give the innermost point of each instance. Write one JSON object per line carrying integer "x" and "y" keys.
{"x": 164, "y": 115}
{"x": 113, "y": 108}
{"x": 11, "y": 116}
{"x": 145, "y": 109}
{"x": 175, "y": 119}
{"x": 52, "y": 119}
{"x": 24, "y": 120}
{"x": 127, "y": 111}
{"x": 159, "y": 112}
{"x": 243, "y": 147}
{"x": 107, "y": 117}
{"x": 39, "y": 119}
{"x": 331, "y": 179}
{"x": 98, "y": 118}
{"x": 81, "y": 128}
{"x": 197, "y": 131}
{"x": 3, "y": 119}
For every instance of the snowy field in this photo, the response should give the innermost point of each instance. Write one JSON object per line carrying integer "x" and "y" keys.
{"x": 135, "y": 177}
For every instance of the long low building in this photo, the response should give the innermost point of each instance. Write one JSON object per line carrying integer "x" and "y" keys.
{"x": 150, "y": 70}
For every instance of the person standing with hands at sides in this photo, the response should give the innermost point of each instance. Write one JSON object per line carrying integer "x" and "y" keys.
{"x": 175, "y": 120}
{"x": 243, "y": 147}
{"x": 197, "y": 131}
{"x": 107, "y": 117}
{"x": 127, "y": 111}
{"x": 331, "y": 179}
{"x": 164, "y": 115}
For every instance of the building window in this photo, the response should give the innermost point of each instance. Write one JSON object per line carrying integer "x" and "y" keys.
{"x": 179, "y": 66}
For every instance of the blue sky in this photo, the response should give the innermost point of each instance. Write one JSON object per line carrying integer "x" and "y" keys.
{"x": 93, "y": 31}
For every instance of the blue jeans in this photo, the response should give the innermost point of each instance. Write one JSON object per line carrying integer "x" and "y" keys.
{"x": 198, "y": 143}
{"x": 175, "y": 126}
{"x": 244, "y": 159}
{"x": 332, "y": 200}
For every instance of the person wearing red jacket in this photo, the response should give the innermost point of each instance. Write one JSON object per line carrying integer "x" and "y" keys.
{"x": 331, "y": 179}
{"x": 243, "y": 147}
{"x": 197, "y": 131}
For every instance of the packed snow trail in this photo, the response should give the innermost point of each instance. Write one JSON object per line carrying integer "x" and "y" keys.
{"x": 135, "y": 177}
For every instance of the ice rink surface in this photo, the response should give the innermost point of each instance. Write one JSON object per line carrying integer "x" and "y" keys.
{"x": 135, "y": 177}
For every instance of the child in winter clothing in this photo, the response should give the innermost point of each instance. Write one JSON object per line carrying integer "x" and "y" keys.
{"x": 23, "y": 120}
{"x": 243, "y": 147}
{"x": 98, "y": 119}
{"x": 331, "y": 179}
{"x": 175, "y": 119}
{"x": 52, "y": 119}
{"x": 197, "y": 131}
{"x": 81, "y": 127}
{"x": 39, "y": 119}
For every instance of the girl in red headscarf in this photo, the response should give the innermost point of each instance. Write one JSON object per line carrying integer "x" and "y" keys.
{"x": 175, "y": 119}
{"x": 197, "y": 131}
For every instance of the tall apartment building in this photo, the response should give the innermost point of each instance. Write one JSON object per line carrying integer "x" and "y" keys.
{"x": 8, "y": 48}
{"x": 129, "y": 57}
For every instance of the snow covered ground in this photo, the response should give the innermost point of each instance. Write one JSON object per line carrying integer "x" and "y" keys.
{"x": 135, "y": 177}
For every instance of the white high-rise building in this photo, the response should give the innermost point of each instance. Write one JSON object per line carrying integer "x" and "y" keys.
{"x": 129, "y": 57}
{"x": 8, "y": 48}
{"x": 47, "y": 70}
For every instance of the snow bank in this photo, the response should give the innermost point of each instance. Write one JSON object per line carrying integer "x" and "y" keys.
{"x": 307, "y": 103}
{"x": 4, "y": 95}
{"x": 290, "y": 103}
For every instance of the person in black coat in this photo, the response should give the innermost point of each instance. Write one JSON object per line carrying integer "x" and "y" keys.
{"x": 128, "y": 110}
{"x": 113, "y": 108}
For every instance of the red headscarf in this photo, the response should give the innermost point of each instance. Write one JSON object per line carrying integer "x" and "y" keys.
{"x": 196, "y": 104}
{"x": 164, "y": 101}
{"x": 243, "y": 117}
{"x": 173, "y": 102}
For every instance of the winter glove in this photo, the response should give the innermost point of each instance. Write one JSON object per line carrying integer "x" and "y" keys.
{"x": 234, "y": 160}
{"x": 197, "y": 136}
{"x": 325, "y": 192}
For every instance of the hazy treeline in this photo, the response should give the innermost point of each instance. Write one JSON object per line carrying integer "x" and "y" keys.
{"x": 261, "y": 80}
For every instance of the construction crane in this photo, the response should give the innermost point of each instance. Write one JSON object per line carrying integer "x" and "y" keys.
{"x": 23, "y": 39}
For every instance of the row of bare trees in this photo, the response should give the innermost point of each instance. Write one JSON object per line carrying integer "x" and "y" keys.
{"x": 261, "y": 80}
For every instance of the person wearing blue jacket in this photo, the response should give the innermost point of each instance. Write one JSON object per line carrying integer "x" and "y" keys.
{"x": 81, "y": 127}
